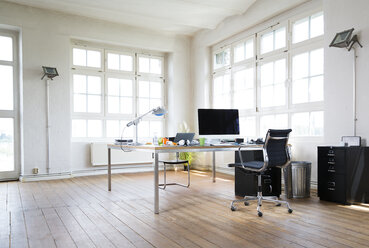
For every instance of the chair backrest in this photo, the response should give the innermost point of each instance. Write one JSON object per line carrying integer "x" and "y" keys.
{"x": 276, "y": 151}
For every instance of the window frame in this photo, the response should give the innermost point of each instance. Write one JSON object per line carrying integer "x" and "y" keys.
{"x": 106, "y": 73}
{"x": 274, "y": 52}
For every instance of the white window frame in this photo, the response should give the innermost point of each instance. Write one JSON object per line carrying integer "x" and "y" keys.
{"x": 105, "y": 73}
{"x": 286, "y": 52}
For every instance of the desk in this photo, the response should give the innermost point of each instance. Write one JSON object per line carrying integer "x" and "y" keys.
{"x": 156, "y": 150}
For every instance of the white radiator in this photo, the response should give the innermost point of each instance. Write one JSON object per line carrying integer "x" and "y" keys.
{"x": 99, "y": 156}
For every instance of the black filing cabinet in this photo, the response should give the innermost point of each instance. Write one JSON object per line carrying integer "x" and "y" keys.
{"x": 343, "y": 174}
{"x": 246, "y": 182}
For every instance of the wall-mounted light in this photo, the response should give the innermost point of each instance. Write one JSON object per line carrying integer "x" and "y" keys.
{"x": 344, "y": 40}
{"x": 49, "y": 72}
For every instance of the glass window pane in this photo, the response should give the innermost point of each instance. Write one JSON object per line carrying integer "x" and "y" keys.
{"x": 155, "y": 89}
{"x": 6, "y": 87}
{"x": 6, "y": 48}
{"x": 300, "y": 30}
{"x": 94, "y": 128}
{"x": 79, "y": 128}
{"x": 267, "y": 43}
{"x": 79, "y": 84}
{"x": 94, "y": 104}
{"x": 113, "y": 61}
{"x": 248, "y": 126}
{"x": 300, "y": 91}
{"x": 6, "y": 144}
{"x": 300, "y": 66}
{"x": 300, "y": 124}
{"x": 112, "y": 128}
{"x": 280, "y": 71}
{"x": 227, "y": 57}
{"x": 218, "y": 60}
{"x": 316, "y": 62}
{"x": 267, "y": 96}
{"x": 79, "y": 57}
{"x": 126, "y": 63}
{"x": 113, "y": 104}
{"x": 266, "y": 74}
{"x": 113, "y": 86}
{"x": 128, "y": 131}
{"x": 144, "y": 64}
{"x": 144, "y": 88}
{"x": 143, "y": 129}
{"x": 281, "y": 121}
{"x": 79, "y": 103}
{"x": 156, "y": 128}
{"x": 266, "y": 122}
{"x": 143, "y": 105}
{"x": 249, "y": 49}
{"x": 126, "y": 105}
{"x": 155, "y": 66}
{"x": 239, "y": 52}
{"x": 239, "y": 80}
{"x": 93, "y": 59}
{"x": 218, "y": 85}
{"x": 155, "y": 103}
{"x": 226, "y": 83}
{"x": 126, "y": 87}
{"x": 280, "y": 38}
{"x": 317, "y": 123}
{"x": 317, "y": 25}
{"x": 316, "y": 89}
{"x": 279, "y": 95}
{"x": 94, "y": 85}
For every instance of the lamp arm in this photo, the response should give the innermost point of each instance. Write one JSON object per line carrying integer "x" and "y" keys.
{"x": 138, "y": 119}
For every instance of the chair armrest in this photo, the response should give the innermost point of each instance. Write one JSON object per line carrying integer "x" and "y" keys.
{"x": 248, "y": 168}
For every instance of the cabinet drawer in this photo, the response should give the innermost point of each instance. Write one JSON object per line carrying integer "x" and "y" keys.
{"x": 333, "y": 188}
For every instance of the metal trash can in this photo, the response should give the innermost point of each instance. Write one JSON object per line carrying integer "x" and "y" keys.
{"x": 297, "y": 179}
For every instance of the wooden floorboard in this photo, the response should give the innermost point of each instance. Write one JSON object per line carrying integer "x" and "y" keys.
{"x": 80, "y": 212}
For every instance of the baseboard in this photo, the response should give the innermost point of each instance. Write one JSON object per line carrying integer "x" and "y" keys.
{"x": 90, "y": 172}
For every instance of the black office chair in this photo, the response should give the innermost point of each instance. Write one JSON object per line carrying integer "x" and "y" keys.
{"x": 276, "y": 154}
{"x": 174, "y": 162}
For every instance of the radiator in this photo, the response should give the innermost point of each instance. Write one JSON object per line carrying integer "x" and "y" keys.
{"x": 99, "y": 156}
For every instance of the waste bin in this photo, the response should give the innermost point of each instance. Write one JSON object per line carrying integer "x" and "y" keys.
{"x": 297, "y": 179}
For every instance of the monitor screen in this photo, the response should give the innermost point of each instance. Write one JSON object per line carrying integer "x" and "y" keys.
{"x": 218, "y": 122}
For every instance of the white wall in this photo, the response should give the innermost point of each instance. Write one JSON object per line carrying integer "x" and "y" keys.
{"x": 342, "y": 15}
{"x": 46, "y": 39}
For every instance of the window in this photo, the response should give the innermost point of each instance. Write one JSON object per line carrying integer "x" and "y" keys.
{"x": 273, "y": 82}
{"x": 105, "y": 100}
{"x": 273, "y": 40}
{"x": 308, "y": 27}
{"x": 222, "y": 58}
{"x": 86, "y": 58}
{"x": 307, "y": 76}
{"x": 308, "y": 123}
{"x": 243, "y": 51}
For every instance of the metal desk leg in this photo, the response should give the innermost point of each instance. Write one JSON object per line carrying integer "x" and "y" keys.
{"x": 214, "y": 173}
{"x": 156, "y": 183}
{"x": 109, "y": 169}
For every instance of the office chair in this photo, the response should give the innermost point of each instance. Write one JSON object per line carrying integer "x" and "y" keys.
{"x": 276, "y": 154}
{"x": 177, "y": 161}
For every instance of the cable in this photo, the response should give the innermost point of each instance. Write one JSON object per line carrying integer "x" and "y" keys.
{"x": 121, "y": 143}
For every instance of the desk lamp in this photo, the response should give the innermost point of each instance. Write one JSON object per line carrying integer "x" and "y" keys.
{"x": 158, "y": 111}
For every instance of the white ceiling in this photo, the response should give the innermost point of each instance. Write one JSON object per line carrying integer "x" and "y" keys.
{"x": 177, "y": 16}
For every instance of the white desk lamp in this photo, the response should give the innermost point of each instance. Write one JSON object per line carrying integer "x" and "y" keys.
{"x": 158, "y": 111}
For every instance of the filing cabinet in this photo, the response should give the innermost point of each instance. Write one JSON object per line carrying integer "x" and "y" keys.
{"x": 343, "y": 173}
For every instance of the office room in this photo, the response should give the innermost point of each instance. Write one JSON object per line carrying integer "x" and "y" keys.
{"x": 182, "y": 123}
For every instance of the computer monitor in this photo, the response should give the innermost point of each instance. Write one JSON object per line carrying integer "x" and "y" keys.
{"x": 218, "y": 122}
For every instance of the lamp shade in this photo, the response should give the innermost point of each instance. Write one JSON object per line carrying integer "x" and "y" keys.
{"x": 159, "y": 111}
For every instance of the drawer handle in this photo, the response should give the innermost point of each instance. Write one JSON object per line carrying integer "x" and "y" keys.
{"x": 331, "y": 189}
{"x": 331, "y": 162}
{"x": 332, "y": 184}
{"x": 331, "y": 170}
{"x": 331, "y": 154}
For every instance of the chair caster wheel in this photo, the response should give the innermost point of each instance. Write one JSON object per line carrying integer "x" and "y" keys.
{"x": 290, "y": 210}
{"x": 278, "y": 204}
{"x": 260, "y": 214}
{"x": 246, "y": 203}
{"x": 233, "y": 208}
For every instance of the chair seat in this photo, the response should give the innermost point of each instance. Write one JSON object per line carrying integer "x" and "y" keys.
{"x": 175, "y": 161}
{"x": 251, "y": 164}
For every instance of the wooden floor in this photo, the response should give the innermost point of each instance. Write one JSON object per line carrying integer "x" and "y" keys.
{"x": 80, "y": 212}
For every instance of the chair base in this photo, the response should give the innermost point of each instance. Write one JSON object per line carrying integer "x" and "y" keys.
{"x": 260, "y": 198}
{"x": 165, "y": 184}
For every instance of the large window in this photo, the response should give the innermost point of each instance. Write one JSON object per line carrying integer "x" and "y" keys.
{"x": 274, "y": 81}
{"x": 110, "y": 88}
